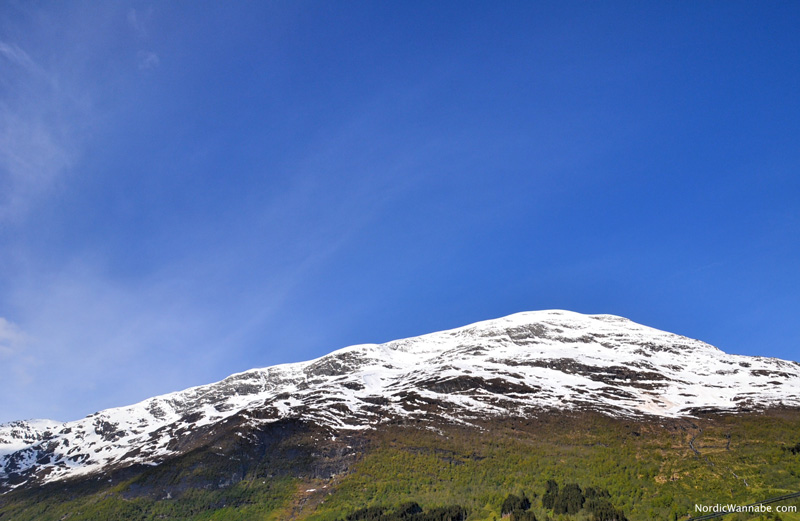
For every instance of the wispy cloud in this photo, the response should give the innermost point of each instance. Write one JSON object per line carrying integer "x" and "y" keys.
{"x": 17, "y": 56}
{"x": 147, "y": 60}
{"x": 14, "y": 356}
{"x": 35, "y": 143}
{"x": 11, "y": 338}
{"x": 137, "y": 21}
{"x": 31, "y": 158}
{"x": 91, "y": 332}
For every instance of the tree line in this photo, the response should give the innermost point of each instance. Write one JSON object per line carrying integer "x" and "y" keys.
{"x": 569, "y": 499}
{"x": 410, "y": 511}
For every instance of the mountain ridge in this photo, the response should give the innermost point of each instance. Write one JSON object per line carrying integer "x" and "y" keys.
{"x": 520, "y": 364}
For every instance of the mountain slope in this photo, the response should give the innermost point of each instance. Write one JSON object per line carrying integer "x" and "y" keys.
{"x": 521, "y": 365}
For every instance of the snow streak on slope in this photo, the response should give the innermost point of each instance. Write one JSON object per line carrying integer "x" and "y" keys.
{"x": 522, "y": 364}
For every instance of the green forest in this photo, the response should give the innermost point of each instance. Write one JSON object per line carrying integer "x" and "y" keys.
{"x": 552, "y": 468}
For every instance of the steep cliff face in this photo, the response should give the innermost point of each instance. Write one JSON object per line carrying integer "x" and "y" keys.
{"x": 521, "y": 365}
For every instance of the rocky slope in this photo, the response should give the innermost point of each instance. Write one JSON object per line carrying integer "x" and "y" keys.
{"x": 520, "y": 365}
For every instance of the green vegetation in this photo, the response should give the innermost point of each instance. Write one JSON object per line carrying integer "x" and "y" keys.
{"x": 409, "y": 512}
{"x": 552, "y": 468}
{"x": 241, "y": 502}
{"x": 514, "y": 503}
{"x": 570, "y": 500}
{"x": 550, "y": 494}
{"x": 644, "y": 470}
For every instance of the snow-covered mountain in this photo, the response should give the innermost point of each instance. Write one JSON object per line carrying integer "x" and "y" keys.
{"x": 521, "y": 365}
{"x": 18, "y": 435}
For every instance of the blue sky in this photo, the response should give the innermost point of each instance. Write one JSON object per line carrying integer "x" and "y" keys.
{"x": 191, "y": 189}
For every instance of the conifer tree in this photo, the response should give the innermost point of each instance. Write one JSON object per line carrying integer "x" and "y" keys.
{"x": 550, "y": 494}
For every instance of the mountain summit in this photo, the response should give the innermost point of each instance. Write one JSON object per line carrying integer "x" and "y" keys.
{"x": 522, "y": 365}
